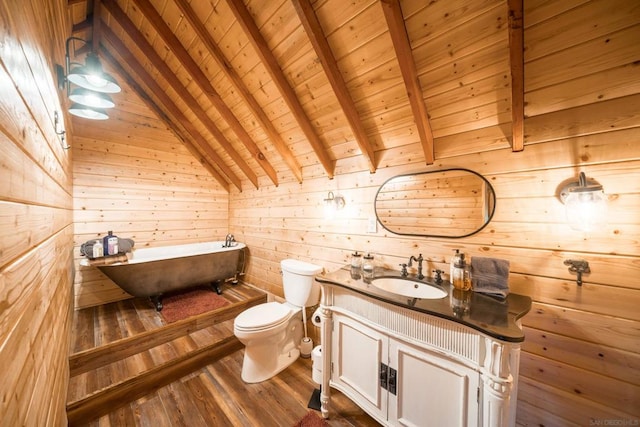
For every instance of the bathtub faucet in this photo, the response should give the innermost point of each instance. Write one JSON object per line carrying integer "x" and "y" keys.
{"x": 228, "y": 241}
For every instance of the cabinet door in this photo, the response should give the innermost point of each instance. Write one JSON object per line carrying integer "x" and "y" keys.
{"x": 431, "y": 390}
{"x": 357, "y": 354}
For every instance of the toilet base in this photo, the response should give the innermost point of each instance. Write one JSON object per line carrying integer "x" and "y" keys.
{"x": 260, "y": 364}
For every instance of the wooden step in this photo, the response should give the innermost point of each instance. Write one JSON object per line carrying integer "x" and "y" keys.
{"x": 139, "y": 364}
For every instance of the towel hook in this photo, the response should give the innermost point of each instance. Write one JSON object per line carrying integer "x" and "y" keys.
{"x": 61, "y": 133}
{"x": 579, "y": 267}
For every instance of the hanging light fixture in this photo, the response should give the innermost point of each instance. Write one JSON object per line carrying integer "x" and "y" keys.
{"x": 585, "y": 204}
{"x": 89, "y": 100}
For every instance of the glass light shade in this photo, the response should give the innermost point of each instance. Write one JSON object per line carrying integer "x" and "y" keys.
{"x": 91, "y": 98}
{"x": 332, "y": 204}
{"x": 90, "y": 76}
{"x": 88, "y": 112}
{"x": 586, "y": 208}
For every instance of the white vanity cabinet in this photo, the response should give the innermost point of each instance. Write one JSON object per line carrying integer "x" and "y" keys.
{"x": 398, "y": 383}
{"x": 409, "y": 368}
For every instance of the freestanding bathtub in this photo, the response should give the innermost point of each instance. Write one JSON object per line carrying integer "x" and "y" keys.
{"x": 152, "y": 272}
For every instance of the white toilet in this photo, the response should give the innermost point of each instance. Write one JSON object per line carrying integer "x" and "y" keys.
{"x": 271, "y": 332}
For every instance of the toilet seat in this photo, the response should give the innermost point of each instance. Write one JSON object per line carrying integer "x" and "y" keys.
{"x": 263, "y": 316}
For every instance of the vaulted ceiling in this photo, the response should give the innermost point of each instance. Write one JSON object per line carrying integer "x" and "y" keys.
{"x": 260, "y": 90}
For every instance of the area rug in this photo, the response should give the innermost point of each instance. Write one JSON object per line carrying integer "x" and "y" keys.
{"x": 312, "y": 419}
{"x": 191, "y": 303}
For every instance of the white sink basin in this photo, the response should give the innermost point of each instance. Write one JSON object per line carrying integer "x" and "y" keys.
{"x": 408, "y": 288}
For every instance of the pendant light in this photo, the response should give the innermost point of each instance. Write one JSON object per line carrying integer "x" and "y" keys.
{"x": 91, "y": 76}
{"x": 90, "y": 99}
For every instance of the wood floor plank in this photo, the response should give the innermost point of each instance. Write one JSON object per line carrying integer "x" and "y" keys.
{"x": 179, "y": 405}
{"x": 122, "y": 417}
{"x": 149, "y": 412}
{"x": 232, "y": 409}
{"x": 128, "y": 319}
{"x": 83, "y": 334}
{"x": 107, "y": 324}
{"x": 226, "y": 375}
{"x": 207, "y": 404}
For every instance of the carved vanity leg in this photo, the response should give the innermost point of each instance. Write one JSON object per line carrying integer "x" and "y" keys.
{"x": 499, "y": 393}
{"x": 325, "y": 330}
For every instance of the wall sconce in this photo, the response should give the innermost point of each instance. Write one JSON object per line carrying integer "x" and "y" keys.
{"x": 332, "y": 204}
{"x": 585, "y": 204}
{"x": 89, "y": 100}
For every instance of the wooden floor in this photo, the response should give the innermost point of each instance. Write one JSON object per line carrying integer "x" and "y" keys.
{"x": 210, "y": 396}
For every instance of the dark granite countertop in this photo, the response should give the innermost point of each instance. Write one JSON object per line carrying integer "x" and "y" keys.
{"x": 493, "y": 316}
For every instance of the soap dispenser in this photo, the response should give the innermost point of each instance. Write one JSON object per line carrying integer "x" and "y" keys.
{"x": 455, "y": 259}
{"x": 458, "y": 270}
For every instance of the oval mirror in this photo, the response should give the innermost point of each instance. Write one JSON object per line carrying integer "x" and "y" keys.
{"x": 443, "y": 203}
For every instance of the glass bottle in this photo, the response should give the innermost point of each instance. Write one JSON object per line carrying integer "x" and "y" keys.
{"x": 110, "y": 243}
{"x": 467, "y": 278}
{"x": 455, "y": 259}
{"x": 356, "y": 260}
{"x": 368, "y": 266}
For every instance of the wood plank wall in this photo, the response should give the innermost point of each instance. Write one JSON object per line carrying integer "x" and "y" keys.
{"x": 581, "y": 358}
{"x": 36, "y": 228}
{"x": 133, "y": 176}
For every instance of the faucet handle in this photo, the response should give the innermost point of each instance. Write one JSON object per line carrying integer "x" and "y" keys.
{"x": 404, "y": 272}
{"x": 438, "y": 275}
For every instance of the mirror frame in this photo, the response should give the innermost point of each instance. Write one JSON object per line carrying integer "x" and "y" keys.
{"x": 491, "y": 191}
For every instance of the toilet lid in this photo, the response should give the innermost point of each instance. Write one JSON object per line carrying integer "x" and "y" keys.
{"x": 263, "y": 316}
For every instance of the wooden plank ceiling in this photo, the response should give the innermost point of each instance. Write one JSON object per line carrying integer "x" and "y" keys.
{"x": 260, "y": 90}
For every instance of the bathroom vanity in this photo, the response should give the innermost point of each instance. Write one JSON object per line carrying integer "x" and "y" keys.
{"x": 450, "y": 358}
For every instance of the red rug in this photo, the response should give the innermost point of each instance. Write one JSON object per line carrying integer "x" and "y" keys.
{"x": 312, "y": 419}
{"x": 191, "y": 303}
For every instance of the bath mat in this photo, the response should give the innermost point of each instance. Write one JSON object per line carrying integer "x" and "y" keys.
{"x": 312, "y": 419}
{"x": 191, "y": 303}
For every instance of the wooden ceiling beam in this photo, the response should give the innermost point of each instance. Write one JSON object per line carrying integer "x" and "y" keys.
{"x": 96, "y": 26}
{"x": 192, "y": 68}
{"x": 231, "y": 74}
{"x": 269, "y": 61}
{"x": 173, "y": 110}
{"x": 323, "y": 50}
{"x": 516, "y": 58}
{"x": 130, "y": 29}
{"x": 402, "y": 47}
{"x": 84, "y": 25}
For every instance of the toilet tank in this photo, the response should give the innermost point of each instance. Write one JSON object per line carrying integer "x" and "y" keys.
{"x": 298, "y": 281}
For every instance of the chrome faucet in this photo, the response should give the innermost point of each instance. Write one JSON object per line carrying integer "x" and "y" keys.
{"x": 419, "y": 261}
{"x": 228, "y": 241}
